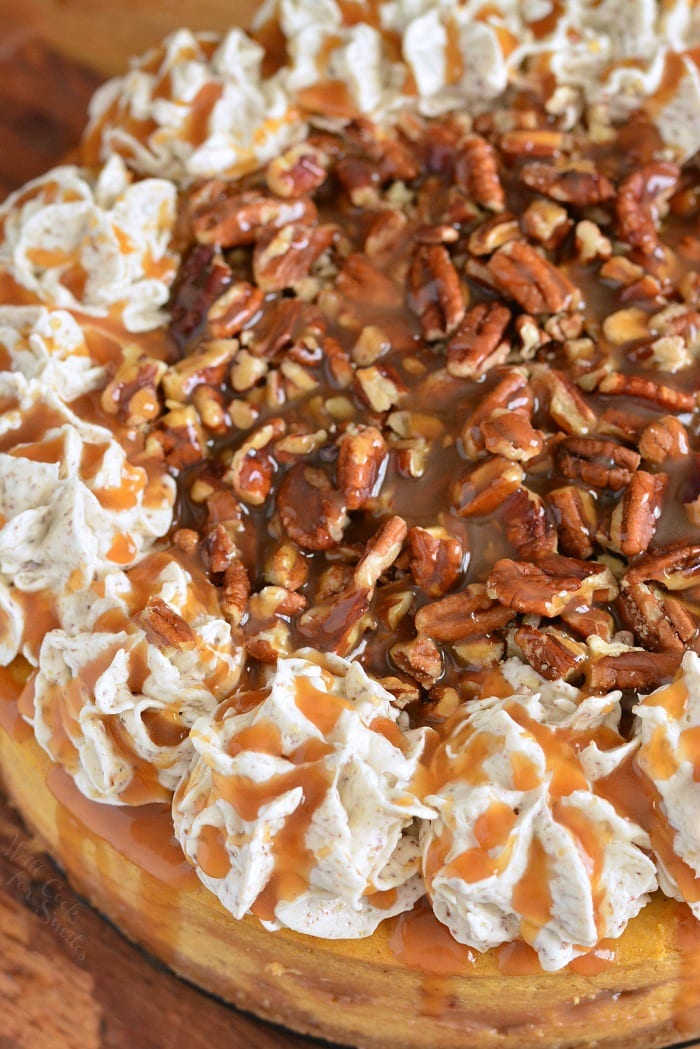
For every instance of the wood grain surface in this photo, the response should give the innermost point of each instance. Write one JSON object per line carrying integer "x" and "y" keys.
{"x": 68, "y": 980}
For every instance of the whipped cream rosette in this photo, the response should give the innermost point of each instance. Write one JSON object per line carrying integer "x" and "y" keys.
{"x": 95, "y": 242}
{"x": 71, "y": 502}
{"x": 196, "y": 106}
{"x": 523, "y": 847}
{"x": 139, "y": 658}
{"x": 300, "y": 809}
{"x": 669, "y": 760}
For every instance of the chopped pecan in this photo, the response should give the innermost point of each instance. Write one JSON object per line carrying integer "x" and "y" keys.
{"x": 436, "y": 559}
{"x": 377, "y": 388}
{"x": 626, "y": 325}
{"x": 577, "y": 520}
{"x": 387, "y": 232}
{"x": 538, "y": 286}
{"x": 547, "y": 587}
{"x": 362, "y": 452}
{"x": 207, "y": 365}
{"x": 298, "y": 170}
{"x": 512, "y": 435}
{"x": 552, "y": 653}
{"x": 392, "y": 603}
{"x": 209, "y": 404}
{"x": 639, "y": 198}
{"x": 312, "y": 512}
{"x": 478, "y": 344}
{"x": 580, "y": 187}
{"x": 596, "y": 461}
{"x": 633, "y": 521}
{"x": 251, "y": 469}
{"x": 435, "y": 294}
{"x": 282, "y": 257}
{"x": 181, "y": 437}
{"x": 665, "y": 397}
{"x": 132, "y": 392}
{"x": 591, "y": 244}
{"x": 529, "y": 527}
{"x": 470, "y": 613}
{"x": 381, "y": 552}
{"x": 240, "y": 219}
{"x": 420, "y": 659}
{"x": 286, "y": 566}
{"x": 219, "y": 549}
{"x": 165, "y": 626}
{"x": 479, "y": 653}
{"x": 485, "y": 486}
{"x": 476, "y": 173}
{"x": 234, "y": 309}
{"x": 546, "y": 222}
{"x": 663, "y": 439}
{"x": 661, "y": 622}
{"x": 633, "y": 669}
{"x": 588, "y": 622}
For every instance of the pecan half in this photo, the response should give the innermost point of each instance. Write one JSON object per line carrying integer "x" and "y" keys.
{"x": 552, "y": 653}
{"x": 202, "y": 277}
{"x": 523, "y": 274}
{"x": 298, "y": 170}
{"x": 471, "y": 613}
{"x": 565, "y": 403}
{"x": 677, "y": 567}
{"x": 362, "y": 452}
{"x": 282, "y": 257}
{"x": 312, "y": 512}
{"x": 512, "y": 435}
{"x": 513, "y": 392}
{"x": 633, "y": 669}
{"x": 436, "y": 559}
{"x": 576, "y": 520}
{"x": 476, "y": 173}
{"x": 478, "y": 343}
{"x": 165, "y": 626}
{"x": 529, "y": 527}
{"x": 234, "y": 309}
{"x": 361, "y": 282}
{"x": 240, "y": 219}
{"x": 485, "y": 486}
{"x": 639, "y": 198}
{"x": 665, "y": 397}
{"x": 420, "y": 659}
{"x": 435, "y": 294}
{"x": 548, "y": 586}
{"x": 661, "y": 622}
{"x": 381, "y": 552}
{"x": 337, "y": 624}
{"x": 579, "y": 187}
{"x": 596, "y": 461}
{"x": 633, "y": 521}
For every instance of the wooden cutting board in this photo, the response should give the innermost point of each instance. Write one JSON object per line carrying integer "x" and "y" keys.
{"x": 68, "y": 979}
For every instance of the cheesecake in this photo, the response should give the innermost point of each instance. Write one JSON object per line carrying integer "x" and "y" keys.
{"x": 350, "y": 534}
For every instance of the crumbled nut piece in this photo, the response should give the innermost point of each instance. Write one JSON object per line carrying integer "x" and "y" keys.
{"x": 420, "y": 659}
{"x": 591, "y": 244}
{"x": 380, "y": 392}
{"x": 546, "y": 223}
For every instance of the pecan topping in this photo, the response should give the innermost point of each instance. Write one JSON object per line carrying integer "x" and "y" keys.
{"x": 553, "y": 655}
{"x": 435, "y": 294}
{"x": 659, "y": 621}
{"x": 634, "y": 670}
{"x": 577, "y": 520}
{"x": 381, "y": 552}
{"x": 529, "y": 278}
{"x": 633, "y": 521}
{"x": 234, "y": 309}
{"x": 420, "y": 659}
{"x": 512, "y": 435}
{"x": 164, "y": 625}
{"x": 664, "y": 397}
{"x": 283, "y": 256}
{"x": 478, "y": 344}
{"x": 529, "y": 527}
{"x": 299, "y": 170}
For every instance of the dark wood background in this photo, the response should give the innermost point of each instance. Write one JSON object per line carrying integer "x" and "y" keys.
{"x": 69, "y": 980}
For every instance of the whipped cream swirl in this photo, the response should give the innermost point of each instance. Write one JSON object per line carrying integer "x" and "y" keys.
{"x": 299, "y": 810}
{"x": 96, "y": 244}
{"x": 669, "y": 729}
{"x": 139, "y": 658}
{"x": 523, "y": 847}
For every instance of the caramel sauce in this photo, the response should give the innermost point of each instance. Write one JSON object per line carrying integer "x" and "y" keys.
{"x": 419, "y": 941}
{"x": 200, "y": 112}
